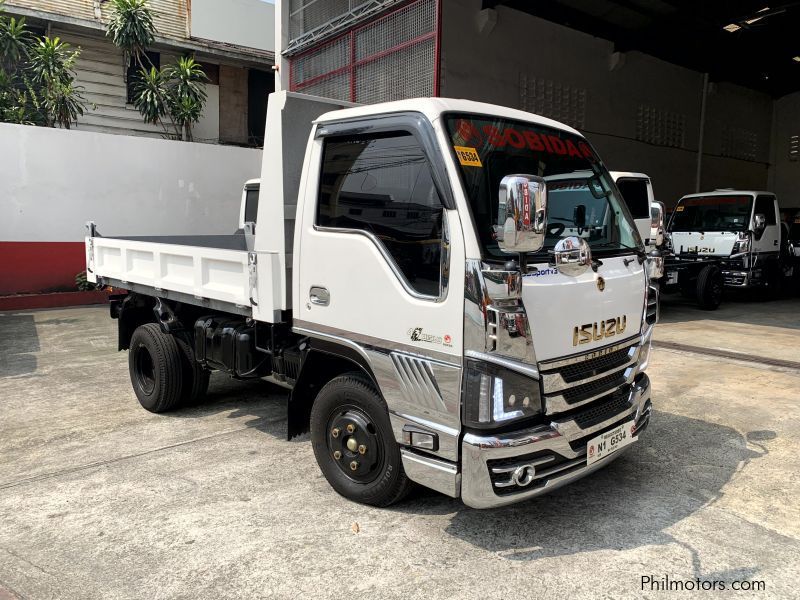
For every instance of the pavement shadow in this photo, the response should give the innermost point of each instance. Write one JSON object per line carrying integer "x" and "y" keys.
{"x": 264, "y": 402}
{"x": 19, "y": 343}
{"x": 679, "y": 466}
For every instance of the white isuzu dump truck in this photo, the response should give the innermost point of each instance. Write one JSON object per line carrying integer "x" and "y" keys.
{"x": 402, "y": 276}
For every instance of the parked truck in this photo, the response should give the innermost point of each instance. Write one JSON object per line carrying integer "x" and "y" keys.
{"x": 398, "y": 272}
{"x": 739, "y": 232}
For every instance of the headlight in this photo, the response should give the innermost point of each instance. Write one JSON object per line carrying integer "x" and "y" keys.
{"x": 742, "y": 243}
{"x": 495, "y": 396}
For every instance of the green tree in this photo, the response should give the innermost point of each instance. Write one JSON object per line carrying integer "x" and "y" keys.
{"x": 37, "y": 78}
{"x": 173, "y": 96}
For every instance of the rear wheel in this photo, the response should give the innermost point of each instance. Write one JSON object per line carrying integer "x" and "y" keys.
{"x": 354, "y": 444}
{"x": 710, "y": 286}
{"x": 154, "y": 363}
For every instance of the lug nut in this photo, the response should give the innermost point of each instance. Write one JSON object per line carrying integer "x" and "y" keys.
{"x": 362, "y": 449}
{"x": 354, "y": 465}
{"x": 351, "y": 428}
{"x": 337, "y": 455}
{"x": 335, "y": 432}
{"x": 352, "y": 444}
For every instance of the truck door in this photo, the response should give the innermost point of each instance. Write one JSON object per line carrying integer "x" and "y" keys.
{"x": 381, "y": 266}
{"x": 769, "y": 242}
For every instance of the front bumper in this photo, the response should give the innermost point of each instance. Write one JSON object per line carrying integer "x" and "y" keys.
{"x": 557, "y": 452}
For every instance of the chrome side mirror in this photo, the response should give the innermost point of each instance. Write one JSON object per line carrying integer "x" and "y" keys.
{"x": 521, "y": 223}
{"x": 657, "y": 223}
{"x": 572, "y": 256}
{"x": 759, "y": 225}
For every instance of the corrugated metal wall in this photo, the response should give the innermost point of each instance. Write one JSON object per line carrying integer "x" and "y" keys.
{"x": 171, "y": 16}
{"x": 100, "y": 72}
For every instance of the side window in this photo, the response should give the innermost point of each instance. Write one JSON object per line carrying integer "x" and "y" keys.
{"x": 765, "y": 205}
{"x": 634, "y": 193}
{"x": 382, "y": 184}
{"x": 251, "y": 205}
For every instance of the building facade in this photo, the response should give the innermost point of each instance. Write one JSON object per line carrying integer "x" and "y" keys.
{"x": 232, "y": 40}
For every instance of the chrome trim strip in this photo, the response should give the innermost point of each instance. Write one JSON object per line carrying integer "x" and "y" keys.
{"x": 417, "y": 381}
{"x": 535, "y": 462}
{"x": 558, "y": 403}
{"x": 325, "y": 331}
{"x": 562, "y": 362}
{"x": 554, "y": 382}
{"x": 432, "y": 473}
{"x": 507, "y": 363}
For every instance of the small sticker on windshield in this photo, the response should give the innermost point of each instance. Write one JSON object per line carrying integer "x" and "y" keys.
{"x": 679, "y": 209}
{"x": 468, "y": 157}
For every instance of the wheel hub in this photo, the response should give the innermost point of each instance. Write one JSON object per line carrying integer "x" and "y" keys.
{"x": 354, "y": 444}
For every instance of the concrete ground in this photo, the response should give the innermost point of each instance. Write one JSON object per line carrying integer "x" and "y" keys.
{"x": 100, "y": 499}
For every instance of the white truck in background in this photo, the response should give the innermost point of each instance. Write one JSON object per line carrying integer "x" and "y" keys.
{"x": 741, "y": 229}
{"x": 400, "y": 277}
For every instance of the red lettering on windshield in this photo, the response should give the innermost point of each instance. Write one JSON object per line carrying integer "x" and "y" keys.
{"x": 515, "y": 138}
{"x": 572, "y": 150}
{"x": 495, "y": 137}
{"x": 558, "y": 145}
{"x": 534, "y": 143}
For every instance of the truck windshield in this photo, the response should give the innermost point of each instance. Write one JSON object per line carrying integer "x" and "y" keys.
{"x": 488, "y": 148}
{"x": 712, "y": 213}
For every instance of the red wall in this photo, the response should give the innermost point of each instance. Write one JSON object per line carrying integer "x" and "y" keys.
{"x": 40, "y": 266}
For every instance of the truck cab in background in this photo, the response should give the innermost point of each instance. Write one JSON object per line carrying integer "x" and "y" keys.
{"x": 739, "y": 228}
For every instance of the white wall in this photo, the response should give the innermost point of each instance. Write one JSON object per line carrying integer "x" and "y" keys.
{"x": 248, "y": 23}
{"x": 52, "y": 181}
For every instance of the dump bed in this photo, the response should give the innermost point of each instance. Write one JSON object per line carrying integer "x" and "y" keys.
{"x": 213, "y": 271}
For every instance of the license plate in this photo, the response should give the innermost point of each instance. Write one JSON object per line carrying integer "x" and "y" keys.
{"x": 672, "y": 277}
{"x": 609, "y": 442}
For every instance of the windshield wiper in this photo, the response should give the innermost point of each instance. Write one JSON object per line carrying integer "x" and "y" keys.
{"x": 640, "y": 254}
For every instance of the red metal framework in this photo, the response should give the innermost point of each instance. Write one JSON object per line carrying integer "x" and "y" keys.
{"x": 394, "y": 56}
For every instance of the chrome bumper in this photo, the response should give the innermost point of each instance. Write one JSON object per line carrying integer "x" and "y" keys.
{"x": 553, "y": 442}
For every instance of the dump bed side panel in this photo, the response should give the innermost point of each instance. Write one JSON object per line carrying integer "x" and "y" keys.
{"x": 216, "y": 274}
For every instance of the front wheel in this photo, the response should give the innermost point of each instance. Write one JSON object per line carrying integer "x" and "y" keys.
{"x": 353, "y": 442}
{"x": 710, "y": 286}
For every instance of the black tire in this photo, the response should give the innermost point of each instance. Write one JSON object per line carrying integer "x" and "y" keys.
{"x": 351, "y": 399}
{"x": 195, "y": 376}
{"x": 154, "y": 362}
{"x": 710, "y": 286}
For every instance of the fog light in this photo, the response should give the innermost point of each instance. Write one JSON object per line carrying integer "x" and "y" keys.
{"x": 524, "y": 475}
{"x": 418, "y": 438}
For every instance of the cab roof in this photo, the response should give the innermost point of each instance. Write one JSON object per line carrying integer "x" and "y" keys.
{"x": 728, "y": 192}
{"x": 433, "y": 108}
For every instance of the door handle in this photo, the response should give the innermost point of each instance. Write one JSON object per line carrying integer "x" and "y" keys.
{"x": 319, "y": 296}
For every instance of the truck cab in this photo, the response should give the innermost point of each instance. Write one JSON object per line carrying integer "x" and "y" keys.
{"x": 739, "y": 228}
{"x": 453, "y": 293}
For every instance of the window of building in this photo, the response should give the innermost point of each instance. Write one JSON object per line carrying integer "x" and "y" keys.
{"x": 765, "y": 205}
{"x": 387, "y": 179}
{"x": 133, "y": 74}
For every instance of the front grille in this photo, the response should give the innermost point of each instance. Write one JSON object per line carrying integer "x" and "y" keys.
{"x": 603, "y": 410}
{"x": 595, "y": 366}
{"x": 593, "y": 388}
